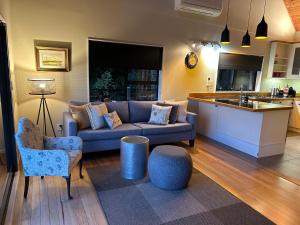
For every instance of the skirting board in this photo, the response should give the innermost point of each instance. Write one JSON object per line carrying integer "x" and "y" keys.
{"x": 258, "y": 151}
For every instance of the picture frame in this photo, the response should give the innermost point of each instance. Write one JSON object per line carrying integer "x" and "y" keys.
{"x": 52, "y": 59}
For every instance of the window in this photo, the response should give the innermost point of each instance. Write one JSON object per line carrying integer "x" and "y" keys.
{"x": 120, "y": 71}
{"x": 238, "y": 71}
{"x": 124, "y": 84}
{"x": 234, "y": 80}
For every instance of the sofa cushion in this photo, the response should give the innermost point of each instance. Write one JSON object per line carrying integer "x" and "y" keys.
{"x": 121, "y": 108}
{"x": 80, "y": 115}
{"x": 95, "y": 113}
{"x": 113, "y": 120}
{"x": 174, "y": 111}
{"x": 160, "y": 114}
{"x": 107, "y": 133}
{"x": 140, "y": 111}
{"x": 150, "y": 129}
{"x": 182, "y": 110}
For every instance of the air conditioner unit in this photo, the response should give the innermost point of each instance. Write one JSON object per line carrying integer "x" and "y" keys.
{"x": 201, "y": 7}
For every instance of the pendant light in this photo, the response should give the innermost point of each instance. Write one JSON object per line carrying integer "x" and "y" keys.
{"x": 246, "y": 42}
{"x": 262, "y": 27}
{"x": 225, "y": 37}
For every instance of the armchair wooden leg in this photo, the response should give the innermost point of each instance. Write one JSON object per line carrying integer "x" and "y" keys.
{"x": 192, "y": 143}
{"x": 68, "y": 179}
{"x": 80, "y": 168}
{"x": 42, "y": 177}
{"x": 26, "y": 186}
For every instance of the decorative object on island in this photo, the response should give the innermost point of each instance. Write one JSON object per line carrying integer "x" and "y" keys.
{"x": 191, "y": 60}
{"x": 262, "y": 27}
{"x": 43, "y": 87}
{"x": 246, "y": 42}
{"x": 225, "y": 37}
{"x": 52, "y": 59}
{"x": 134, "y": 156}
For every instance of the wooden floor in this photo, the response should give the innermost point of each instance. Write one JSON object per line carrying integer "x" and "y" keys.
{"x": 267, "y": 192}
{"x": 287, "y": 165}
{"x": 3, "y": 174}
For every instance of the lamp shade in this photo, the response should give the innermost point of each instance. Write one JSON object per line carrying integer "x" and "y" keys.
{"x": 42, "y": 86}
{"x": 246, "y": 42}
{"x": 225, "y": 37}
{"x": 262, "y": 30}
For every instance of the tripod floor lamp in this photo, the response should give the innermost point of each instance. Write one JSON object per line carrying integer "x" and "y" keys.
{"x": 43, "y": 87}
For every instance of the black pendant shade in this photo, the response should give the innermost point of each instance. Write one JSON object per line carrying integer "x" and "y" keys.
{"x": 225, "y": 37}
{"x": 246, "y": 43}
{"x": 262, "y": 30}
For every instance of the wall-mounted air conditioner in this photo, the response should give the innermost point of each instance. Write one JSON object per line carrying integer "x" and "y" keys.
{"x": 200, "y": 7}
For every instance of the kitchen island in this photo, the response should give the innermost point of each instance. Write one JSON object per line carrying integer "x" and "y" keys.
{"x": 256, "y": 128}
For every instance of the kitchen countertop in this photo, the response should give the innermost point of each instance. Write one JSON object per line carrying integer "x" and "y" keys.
{"x": 265, "y": 98}
{"x": 259, "y": 96}
{"x": 253, "y": 106}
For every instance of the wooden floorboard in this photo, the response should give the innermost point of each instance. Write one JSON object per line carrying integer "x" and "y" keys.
{"x": 254, "y": 183}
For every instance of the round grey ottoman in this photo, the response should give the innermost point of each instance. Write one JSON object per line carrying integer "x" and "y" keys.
{"x": 170, "y": 167}
{"x": 134, "y": 156}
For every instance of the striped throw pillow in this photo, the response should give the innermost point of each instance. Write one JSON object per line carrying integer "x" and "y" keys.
{"x": 95, "y": 113}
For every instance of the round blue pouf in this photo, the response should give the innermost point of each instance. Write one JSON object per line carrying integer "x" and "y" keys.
{"x": 170, "y": 167}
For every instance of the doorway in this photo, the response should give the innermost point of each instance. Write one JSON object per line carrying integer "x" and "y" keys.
{"x": 8, "y": 156}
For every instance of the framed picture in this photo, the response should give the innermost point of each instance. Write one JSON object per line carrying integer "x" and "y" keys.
{"x": 52, "y": 59}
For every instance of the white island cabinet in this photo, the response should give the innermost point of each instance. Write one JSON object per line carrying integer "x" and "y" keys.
{"x": 259, "y": 133}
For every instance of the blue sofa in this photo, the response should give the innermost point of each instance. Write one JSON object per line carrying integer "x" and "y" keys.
{"x": 134, "y": 115}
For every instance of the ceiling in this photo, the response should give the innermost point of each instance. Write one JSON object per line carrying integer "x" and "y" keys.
{"x": 293, "y": 7}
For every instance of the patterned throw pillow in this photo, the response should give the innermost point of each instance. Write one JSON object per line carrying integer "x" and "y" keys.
{"x": 174, "y": 111}
{"x": 160, "y": 114}
{"x": 113, "y": 120}
{"x": 95, "y": 113}
{"x": 182, "y": 110}
{"x": 80, "y": 115}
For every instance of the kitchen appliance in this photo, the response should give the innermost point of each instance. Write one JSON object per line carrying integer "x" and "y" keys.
{"x": 292, "y": 92}
{"x": 274, "y": 92}
{"x": 280, "y": 93}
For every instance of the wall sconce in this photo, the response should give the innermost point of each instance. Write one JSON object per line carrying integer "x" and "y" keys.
{"x": 196, "y": 45}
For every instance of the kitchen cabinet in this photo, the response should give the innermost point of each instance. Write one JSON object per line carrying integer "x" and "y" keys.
{"x": 279, "y": 60}
{"x": 284, "y": 60}
{"x": 208, "y": 122}
{"x": 258, "y": 134}
{"x": 294, "y": 123}
{"x": 294, "y": 62}
{"x": 283, "y": 102}
{"x": 292, "y": 113}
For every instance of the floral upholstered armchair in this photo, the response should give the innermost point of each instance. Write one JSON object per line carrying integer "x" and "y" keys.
{"x": 47, "y": 156}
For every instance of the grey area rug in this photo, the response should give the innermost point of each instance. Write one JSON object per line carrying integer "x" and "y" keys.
{"x": 141, "y": 203}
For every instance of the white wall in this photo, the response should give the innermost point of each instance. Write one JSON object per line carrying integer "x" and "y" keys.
{"x": 142, "y": 21}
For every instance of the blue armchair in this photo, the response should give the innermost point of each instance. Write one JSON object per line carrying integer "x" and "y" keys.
{"x": 47, "y": 156}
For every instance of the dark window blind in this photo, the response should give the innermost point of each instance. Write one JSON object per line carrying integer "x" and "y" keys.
{"x": 240, "y": 62}
{"x": 125, "y": 56}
